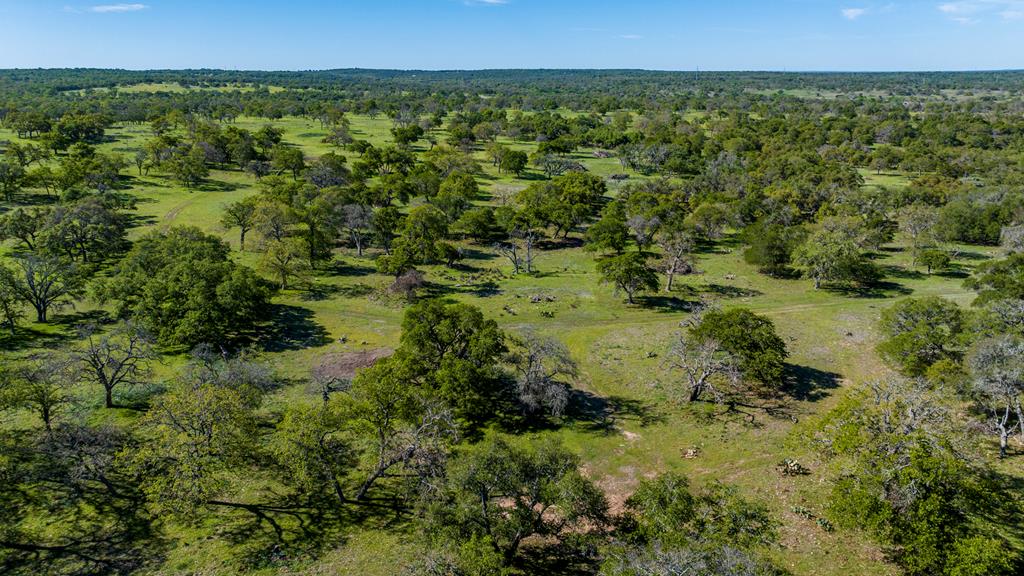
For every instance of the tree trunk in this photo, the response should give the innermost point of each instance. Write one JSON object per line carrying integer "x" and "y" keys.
{"x": 671, "y": 277}
{"x": 108, "y": 396}
{"x": 695, "y": 393}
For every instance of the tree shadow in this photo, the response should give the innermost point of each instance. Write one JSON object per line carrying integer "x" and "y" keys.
{"x": 282, "y": 528}
{"x": 809, "y": 384}
{"x": 972, "y": 256}
{"x": 100, "y": 522}
{"x": 216, "y": 186}
{"x": 560, "y": 243}
{"x": 558, "y": 558}
{"x": 602, "y": 413}
{"x": 728, "y": 291}
{"x": 875, "y": 290}
{"x": 344, "y": 268}
{"x": 290, "y": 328}
{"x": 25, "y": 338}
{"x": 666, "y": 304}
{"x": 901, "y": 272}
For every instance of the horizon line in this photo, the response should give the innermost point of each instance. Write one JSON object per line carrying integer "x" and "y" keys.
{"x": 541, "y": 69}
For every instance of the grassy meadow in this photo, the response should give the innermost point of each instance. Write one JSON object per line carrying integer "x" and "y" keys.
{"x": 632, "y": 426}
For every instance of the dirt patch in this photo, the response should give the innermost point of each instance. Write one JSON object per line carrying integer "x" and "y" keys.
{"x": 343, "y": 365}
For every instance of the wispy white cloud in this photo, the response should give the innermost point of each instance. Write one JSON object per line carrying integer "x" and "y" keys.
{"x": 631, "y": 36}
{"x": 853, "y": 13}
{"x": 485, "y": 2}
{"x": 972, "y": 11}
{"x": 114, "y": 8}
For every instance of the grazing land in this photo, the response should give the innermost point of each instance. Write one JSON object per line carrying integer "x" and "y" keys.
{"x": 318, "y": 402}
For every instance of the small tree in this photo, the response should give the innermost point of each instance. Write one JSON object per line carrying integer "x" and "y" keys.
{"x": 541, "y": 362}
{"x": 285, "y": 158}
{"x": 920, "y": 332}
{"x": 116, "y": 360}
{"x": 310, "y": 444}
{"x": 934, "y": 260}
{"x": 284, "y": 260}
{"x": 46, "y": 283}
{"x": 12, "y": 178}
{"x": 749, "y": 338}
{"x": 610, "y": 233}
{"x": 629, "y": 273}
{"x": 833, "y": 256}
{"x": 513, "y": 161}
{"x": 357, "y": 220}
{"x": 997, "y": 369}
{"x": 708, "y": 368}
{"x": 506, "y": 492}
{"x": 677, "y": 246}
{"x": 43, "y": 385}
{"x": 10, "y": 300}
{"x": 241, "y": 215}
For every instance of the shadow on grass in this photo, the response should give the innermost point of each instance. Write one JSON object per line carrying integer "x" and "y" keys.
{"x": 215, "y": 186}
{"x": 483, "y": 289}
{"x": 728, "y": 291}
{"x": 602, "y": 413}
{"x": 971, "y": 256}
{"x": 809, "y": 384}
{"x": 290, "y": 328}
{"x": 902, "y": 273}
{"x": 28, "y": 338}
{"x": 876, "y": 290}
{"x": 666, "y": 304}
{"x": 343, "y": 268}
{"x": 557, "y": 558}
{"x": 560, "y": 243}
{"x": 98, "y": 527}
{"x": 321, "y": 292}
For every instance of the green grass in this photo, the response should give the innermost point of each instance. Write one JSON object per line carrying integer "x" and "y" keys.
{"x": 619, "y": 348}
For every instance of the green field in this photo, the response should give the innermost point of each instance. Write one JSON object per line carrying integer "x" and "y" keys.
{"x": 640, "y": 431}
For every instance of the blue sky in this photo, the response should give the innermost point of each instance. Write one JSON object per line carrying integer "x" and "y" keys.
{"x": 471, "y": 34}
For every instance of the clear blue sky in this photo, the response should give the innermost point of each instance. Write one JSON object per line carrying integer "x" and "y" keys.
{"x": 464, "y": 34}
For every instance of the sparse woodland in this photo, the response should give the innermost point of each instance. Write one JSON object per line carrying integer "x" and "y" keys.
{"x": 511, "y": 322}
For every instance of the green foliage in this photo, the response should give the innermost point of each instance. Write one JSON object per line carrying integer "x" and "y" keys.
{"x": 477, "y": 223}
{"x": 832, "y": 256}
{"x": 934, "y": 260}
{"x": 749, "y": 337}
{"x": 309, "y": 444}
{"x": 629, "y": 273}
{"x": 903, "y": 478}
{"x": 920, "y": 332}
{"x": 506, "y": 490}
{"x": 201, "y": 433}
{"x": 181, "y": 285}
{"x": 11, "y": 312}
{"x": 456, "y": 195}
{"x": 610, "y": 233}
{"x": 998, "y": 280}
{"x": 454, "y": 351}
{"x": 514, "y": 162}
{"x": 771, "y": 247}
{"x": 980, "y": 556}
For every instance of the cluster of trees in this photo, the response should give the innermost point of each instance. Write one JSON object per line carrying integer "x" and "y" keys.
{"x": 907, "y": 471}
{"x": 421, "y": 430}
{"x": 910, "y": 462}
